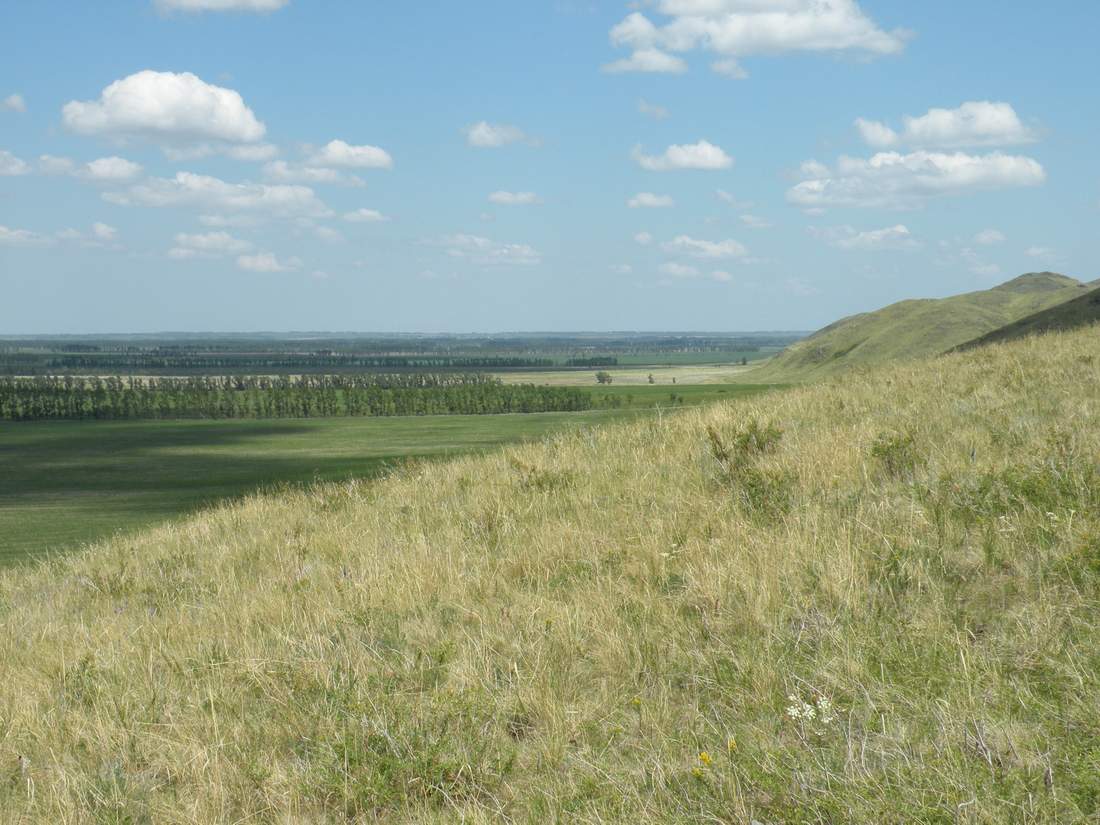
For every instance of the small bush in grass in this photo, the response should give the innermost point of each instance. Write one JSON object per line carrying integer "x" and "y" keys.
{"x": 896, "y": 454}
{"x": 762, "y": 490}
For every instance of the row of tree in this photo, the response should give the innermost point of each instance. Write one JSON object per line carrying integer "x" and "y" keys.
{"x": 37, "y": 399}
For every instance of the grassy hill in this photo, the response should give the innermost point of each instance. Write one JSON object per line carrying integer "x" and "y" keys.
{"x": 916, "y": 328}
{"x": 869, "y": 600}
{"x": 1078, "y": 312}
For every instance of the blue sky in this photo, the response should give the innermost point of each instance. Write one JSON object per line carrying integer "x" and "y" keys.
{"x": 487, "y": 166}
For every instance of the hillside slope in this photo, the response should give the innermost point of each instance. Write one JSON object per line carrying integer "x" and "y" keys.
{"x": 1081, "y": 311}
{"x": 869, "y": 600}
{"x": 917, "y": 328}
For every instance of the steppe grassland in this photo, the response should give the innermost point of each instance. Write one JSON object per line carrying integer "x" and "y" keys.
{"x": 873, "y": 600}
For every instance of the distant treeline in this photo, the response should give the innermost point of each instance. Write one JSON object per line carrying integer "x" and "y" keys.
{"x": 198, "y": 356}
{"x": 152, "y": 363}
{"x": 67, "y": 398}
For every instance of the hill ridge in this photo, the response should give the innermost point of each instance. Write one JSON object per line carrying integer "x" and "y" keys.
{"x": 917, "y": 327}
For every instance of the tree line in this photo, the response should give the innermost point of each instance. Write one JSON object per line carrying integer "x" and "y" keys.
{"x": 76, "y": 399}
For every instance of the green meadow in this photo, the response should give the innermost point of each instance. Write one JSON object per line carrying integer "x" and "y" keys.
{"x": 68, "y": 483}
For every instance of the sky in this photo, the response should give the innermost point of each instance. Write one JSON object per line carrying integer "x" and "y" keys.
{"x": 547, "y": 165}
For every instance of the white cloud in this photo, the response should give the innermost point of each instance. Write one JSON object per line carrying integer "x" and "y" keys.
{"x": 341, "y": 154}
{"x": 647, "y": 200}
{"x": 228, "y": 221}
{"x": 249, "y": 152}
{"x": 11, "y": 166}
{"x": 876, "y": 134}
{"x": 1044, "y": 253}
{"x": 652, "y": 110}
{"x": 890, "y": 237}
{"x": 652, "y": 61}
{"x": 168, "y": 108}
{"x": 643, "y": 238}
{"x": 220, "y": 5}
{"x": 103, "y": 231}
{"x": 13, "y": 103}
{"x": 110, "y": 169}
{"x": 977, "y": 266}
{"x": 621, "y": 269}
{"x": 189, "y": 189}
{"x": 701, "y": 155}
{"x": 893, "y": 180}
{"x": 21, "y": 237}
{"x": 721, "y": 276}
{"x": 755, "y": 222}
{"x": 365, "y": 216}
{"x": 102, "y": 170}
{"x": 207, "y": 245}
{"x": 53, "y": 165}
{"x": 267, "y": 262}
{"x": 328, "y": 234}
{"x": 735, "y": 29}
{"x": 283, "y": 172}
{"x": 514, "y": 198}
{"x": 989, "y": 237}
{"x": 975, "y": 123}
{"x": 729, "y": 68}
{"x": 487, "y": 252}
{"x": 679, "y": 270}
{"x": 685, "y": 245}
{"x": 483, "y": 135}
{"x": 727, "y": 197}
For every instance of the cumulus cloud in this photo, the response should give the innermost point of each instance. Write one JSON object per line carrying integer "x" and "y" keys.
{"x": 647, "y": 200}
{"x": 103, "y": 231}
{"x": 13, "y": 103}
{"x": 679, "y": 270}
{"x": 172, "y": 109}
{"x": 10, "y": 165}
{"x": 898, "y": 181}
{"x": 685, "y": 272}
{"x": 267, "y": 262}
{"x": 484, "y": 135}
{"x": 643, "y": 239}
{"x": 487, "y": 252}
{"x": 188, "y": 189}
{"x": 755, "y": 222}
{"x": 701, "y": 155}
{"x": 733, "y": 29}
{"x": 340, "y": 154}
{"x": 651, "y": 60}
{"x": 686, "y": 245}
{"x": 207, "y": 245}
{"x": 220, "y": 5}
{"x": 103, "y": 170}
{"x": 283, "y": 172}
{"x": 846, "y": 237}
{"x": 976, "y": 123}
{"x": 514, "y": 198}
{"x": 365, "y": 216}
{"x": 21, "y": 237}
{"x": 652, "y": 110}
{"x": 989, "y": 237}
{"x": 110, "y": 169}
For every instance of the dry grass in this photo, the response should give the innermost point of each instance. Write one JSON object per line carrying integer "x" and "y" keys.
{"x": 607, "y": 627}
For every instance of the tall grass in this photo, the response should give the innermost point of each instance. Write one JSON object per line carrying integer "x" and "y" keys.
{"x": 874, "y": 600}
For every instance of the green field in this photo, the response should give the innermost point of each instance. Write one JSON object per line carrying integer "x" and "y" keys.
{"x": 65, "y": 483}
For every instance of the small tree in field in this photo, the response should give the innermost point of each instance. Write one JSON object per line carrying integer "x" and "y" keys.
{"x": 603, "y": 377}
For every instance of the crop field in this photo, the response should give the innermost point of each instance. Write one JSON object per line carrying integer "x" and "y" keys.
{"x": 66, "y": 483}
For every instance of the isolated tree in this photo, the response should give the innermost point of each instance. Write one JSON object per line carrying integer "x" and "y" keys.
{"x": 603, "y": 377}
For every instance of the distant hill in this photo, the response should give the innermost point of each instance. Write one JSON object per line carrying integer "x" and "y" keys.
{"x": 915, "y": 328}
{"x": 1078, "y": 312}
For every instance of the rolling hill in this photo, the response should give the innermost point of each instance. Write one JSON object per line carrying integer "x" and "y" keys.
{"x": 1078, "y": 312}
{"x": 916, "y": 328}
{"x": 868, "y": 600}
